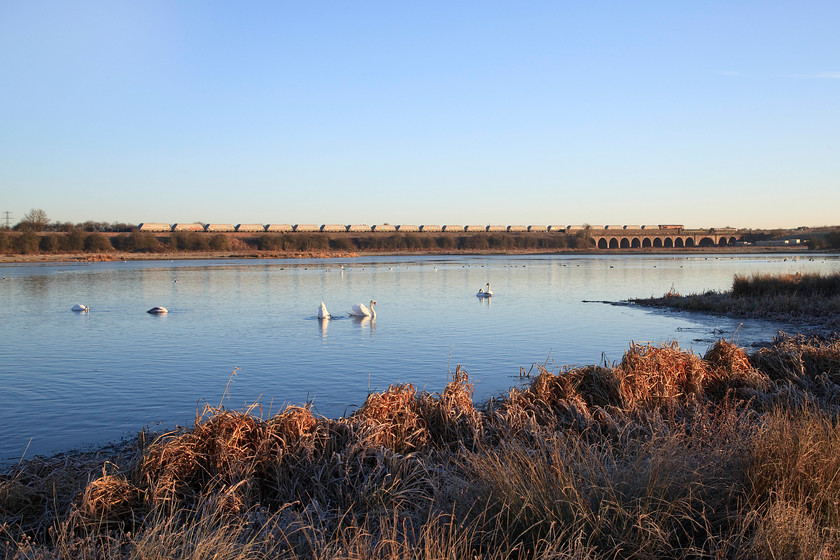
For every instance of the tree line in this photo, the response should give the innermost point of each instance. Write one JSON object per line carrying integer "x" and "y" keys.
{"x": 29, "y": 242}
{"x": 37, "y": 220}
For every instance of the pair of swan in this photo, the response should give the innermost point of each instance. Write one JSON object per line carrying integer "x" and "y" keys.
{"x": 359, "y": 310}
{"x": 485, "y": 293}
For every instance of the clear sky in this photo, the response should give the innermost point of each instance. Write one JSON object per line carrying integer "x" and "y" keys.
{"x": 700, "y": 113}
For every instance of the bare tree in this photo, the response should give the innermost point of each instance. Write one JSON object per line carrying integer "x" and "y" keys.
{"x": 34, "y": 220}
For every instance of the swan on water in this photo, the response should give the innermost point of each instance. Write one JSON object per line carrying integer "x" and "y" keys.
{"x": 158, "y": 310}
{"x": 322, "y": 311}
{"x": 485, "y": 293}
{"x": 359, "y": 310}
{"x": 81, "y": 308}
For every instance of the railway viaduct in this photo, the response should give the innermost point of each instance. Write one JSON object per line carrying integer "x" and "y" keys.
{"x": 662, "y": 238}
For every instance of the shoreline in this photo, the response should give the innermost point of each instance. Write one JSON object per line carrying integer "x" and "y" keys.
{"x": 114, "y": 256}
{"x": 811, "y": 302}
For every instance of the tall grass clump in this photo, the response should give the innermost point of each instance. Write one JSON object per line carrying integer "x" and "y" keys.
{"x": 794, "y": 474}
{"x": 771, "y": 285}
{"x": 811, "y": 299}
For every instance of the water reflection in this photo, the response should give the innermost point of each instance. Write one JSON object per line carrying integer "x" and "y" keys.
{"x": 323, "y": 323}
{"x": 365, "y": 322}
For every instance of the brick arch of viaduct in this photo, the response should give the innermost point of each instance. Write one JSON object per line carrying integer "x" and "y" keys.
{"x": 663, "y": 241}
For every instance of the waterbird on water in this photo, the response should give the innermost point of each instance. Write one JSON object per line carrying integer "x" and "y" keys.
{"x": 80, "y": 308}
{"x": 158, "y": 310}
{"x": 322, "y": 311}
{"x": 485, "y": 293}
{"x": 359, "y": 310}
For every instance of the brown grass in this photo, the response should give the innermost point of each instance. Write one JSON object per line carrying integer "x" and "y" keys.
{"x": 811, "y": 300}
{"x": 665, "y": 455}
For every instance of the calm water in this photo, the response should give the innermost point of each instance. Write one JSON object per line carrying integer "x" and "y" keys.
{"x": 70, "y": 380}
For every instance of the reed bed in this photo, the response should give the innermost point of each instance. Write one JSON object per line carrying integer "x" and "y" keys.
{"x": 664, "y": 455}
{"x": 812, "y": 300}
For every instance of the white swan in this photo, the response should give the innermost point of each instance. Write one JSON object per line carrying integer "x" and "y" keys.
{"x": 158, "y": 310}
{"x": 359, "y": 310}
{"x": 485, "y": 293}
{"x": 322, "y": 311}
{"x": 81, "y": 308}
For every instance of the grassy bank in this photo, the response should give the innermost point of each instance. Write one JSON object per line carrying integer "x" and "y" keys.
{"x": 808, "y": 299}
{"x": 664, "y": 455}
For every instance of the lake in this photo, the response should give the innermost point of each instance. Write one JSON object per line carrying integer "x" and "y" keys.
{"x": 245, "y": 331}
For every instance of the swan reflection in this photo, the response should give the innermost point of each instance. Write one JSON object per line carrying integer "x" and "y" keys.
{"x": 323, "y": 323}
{"x": 365, "y": 322}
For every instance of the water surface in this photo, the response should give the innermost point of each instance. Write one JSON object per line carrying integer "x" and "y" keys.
{"x": 75, "y": 379}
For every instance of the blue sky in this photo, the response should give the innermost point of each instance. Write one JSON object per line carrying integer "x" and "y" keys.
{"x": 704, "y": 113}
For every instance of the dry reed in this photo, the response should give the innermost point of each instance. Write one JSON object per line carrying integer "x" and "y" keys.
{"x": 665, "y": 455}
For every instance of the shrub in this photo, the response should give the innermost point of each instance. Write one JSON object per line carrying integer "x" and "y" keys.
{"x": 50, "y": 243}
{"x": 5, "y": 241}
{"x": 445, "y": 242}
{"x": 220, "y": 242}
{"x": 98, "y": 243}
{"x": 27, "y": 243}
{"x": 500, "y": 241}
{"x": 188, "y": 241}
{"x": 474, "y": 242}
{"x": 136, "y": 241}
{"x": 75, "y": 241}
{"x": 123, "y": 242}
{"x": 310, "y": 242}
{"x": 269, "y": 242}
{"x": 341, "y": 244}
